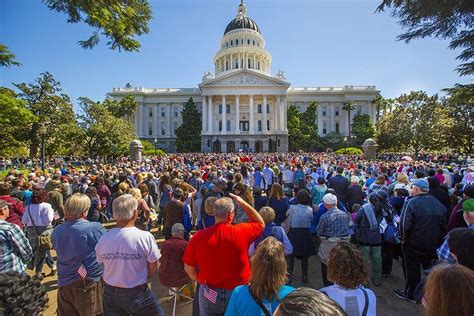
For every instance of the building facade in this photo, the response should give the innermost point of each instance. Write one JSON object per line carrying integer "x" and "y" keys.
{"x": 243, "y": 106}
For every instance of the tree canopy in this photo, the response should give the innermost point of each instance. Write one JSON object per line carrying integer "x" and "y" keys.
{"x": 302, "y": 128}
{"x": 188, "y": 134}
{"x": 362, "y": 128}
{"x": 119, "y": 21}
{"x": 7, "y": 58}
{"x": 444, "y": 19}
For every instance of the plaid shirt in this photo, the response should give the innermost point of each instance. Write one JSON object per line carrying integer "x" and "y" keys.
{"x": 444, "y": 254}
{"x": 15, "y": 250}
{"x": 333, "y": 223}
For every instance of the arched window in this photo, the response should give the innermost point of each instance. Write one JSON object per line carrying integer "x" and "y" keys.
{"x": 253, "y": 43}
{"x": 237, "y": 42}
{"x": 259, "y": 125}
{"x": 228, "y": 125}
{"x": 248, "y": 42}
{"x": 268, "y": 125}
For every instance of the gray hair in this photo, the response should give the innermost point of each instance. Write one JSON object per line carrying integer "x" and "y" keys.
{"x": 76, "y": 205}
{"x": 124, "y": 207}
{"x": 177, "y": 228}
{"x": 223, "y": 207}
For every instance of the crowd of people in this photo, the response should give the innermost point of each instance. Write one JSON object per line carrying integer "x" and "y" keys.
{"x": 234, "y": 224}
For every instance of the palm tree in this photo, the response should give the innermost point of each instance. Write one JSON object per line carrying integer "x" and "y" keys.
{"x": 349, "y": 106}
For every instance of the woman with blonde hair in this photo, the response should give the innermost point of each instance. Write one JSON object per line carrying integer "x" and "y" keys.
{"x": 449, "y": 290}
{"x": 278, "y": 202}
{"x": 143, "y": 210}
{"x": 267, "y": 282}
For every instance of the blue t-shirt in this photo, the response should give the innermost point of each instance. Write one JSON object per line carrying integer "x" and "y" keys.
{"x": 74, "y": 242}
{"x": 242, "y": 303}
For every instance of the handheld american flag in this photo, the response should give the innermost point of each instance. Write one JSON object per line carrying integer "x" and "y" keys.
{"x": 210, "y": 294}
{"x": 82, "y": 271}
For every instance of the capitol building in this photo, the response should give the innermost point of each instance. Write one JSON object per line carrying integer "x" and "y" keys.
{"x": 243, "y": 106}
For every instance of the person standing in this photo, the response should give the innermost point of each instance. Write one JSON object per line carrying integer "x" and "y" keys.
{"x": 16, "y": 208}
{"x": 333, "y": 226}
{"x": 340, "y": 184}
{"x": 79, "y": 273}
{"x": 422, "y": 227}
{"x": 15, "y": 249}
{"x": 217, "y": 257}
{"x": 130, "y": 256}
{"x": 173, "y": 212}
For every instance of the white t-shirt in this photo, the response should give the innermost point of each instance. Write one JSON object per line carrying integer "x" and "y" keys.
{"x": 352, "y": 300}
{"x": 125, "y": 253}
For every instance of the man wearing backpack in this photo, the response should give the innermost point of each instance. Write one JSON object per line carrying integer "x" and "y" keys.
{"x": 422, "y": 226}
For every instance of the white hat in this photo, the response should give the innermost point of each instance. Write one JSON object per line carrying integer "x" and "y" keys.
{"x": 330, "y": 199}
{"x": 400, "y": 186}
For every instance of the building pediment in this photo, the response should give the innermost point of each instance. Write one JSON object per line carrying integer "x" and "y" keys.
{"x": 244, "y": 78}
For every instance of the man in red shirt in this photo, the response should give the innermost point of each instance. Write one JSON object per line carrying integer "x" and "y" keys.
{"x": 217, "y": 257}
{"x": 14, "y": 205}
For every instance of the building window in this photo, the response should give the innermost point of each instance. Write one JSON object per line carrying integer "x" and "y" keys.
{"x": 253, "y": 43}
{"x": 227, "y": 44}
{"x": 231, "y": 43}
{"x": 150, "y": 129}
{"x": 163, "y": 112}
{"x": 258, "y": 64}
{"x": 175, "y": 126}
{"x": 259, "y": 109}
{"x": 268, "y": 108}
{"x": 248, "y": 42}
{"x": 226, "y": 65}
{"x": 150, "y": 112}
{"x": 248, "y": 63}
{"x": 258, "y": 44}
{"x": 220, "y": 125}
{"x": 268, "y": 125}
{"x": 175, "y": 112}
{"x": 227, "y": 128}
{"x": 259, "y": 125}
{"x": 337, "y": 127}
{"x": 163, "y": 132}
{"x": 236, "y": 63}
{"x": 220, "y": 108}
{"x": 227, "y": 108}
{"x": 336, "y": 112}
{"x": 325, "y": 125}
{"x": 359, "y": 110}
{"x": 324, "y": 111}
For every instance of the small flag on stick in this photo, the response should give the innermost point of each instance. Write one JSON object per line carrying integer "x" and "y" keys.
{"x": 82, "y": 271}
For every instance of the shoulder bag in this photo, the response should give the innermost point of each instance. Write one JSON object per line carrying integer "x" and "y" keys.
{"x": 44, "y": 239}
{"x": 265, "y": 311}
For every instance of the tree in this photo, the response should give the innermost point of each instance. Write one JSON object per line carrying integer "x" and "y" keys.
{"x": 15, "y": 120}
{"x": 118, "y": 20}
{"x": 382, "y": 105}
{"x": 460, "y": 107}
{"x": 349, "y": 107}
{"x": 7, "y": 58}
{"x": 362, "y": 128}
{"x": 417, "y": 123}
{"x": 101, "y": 133}
{"x": 444, "y": 19}
{"x": 188, "y": 134}
{"x": 124, "y": 108}
{"x": 302, "y": 128}
{"x": 295, "y": 135}
{"x": 53, "y": 108}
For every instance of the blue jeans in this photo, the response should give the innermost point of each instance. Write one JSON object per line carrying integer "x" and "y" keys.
{"x": 135, "y": 301}
{"x": 48, "y": 259}
{"x": 207, "y": 308}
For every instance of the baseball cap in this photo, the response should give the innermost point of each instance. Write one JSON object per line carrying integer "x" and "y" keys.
{"x": 422, "y": 184}
{"x": 468, "y": 205}
{"x": 469, "y": 190}
{"x": 330, "y": 199}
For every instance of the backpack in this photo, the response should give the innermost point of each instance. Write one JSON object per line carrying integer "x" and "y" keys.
{"x": 187, "y": 218}
{"x": 391, "y": 234}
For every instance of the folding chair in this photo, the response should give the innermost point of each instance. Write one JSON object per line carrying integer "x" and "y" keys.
{"x": 176, "y": 292}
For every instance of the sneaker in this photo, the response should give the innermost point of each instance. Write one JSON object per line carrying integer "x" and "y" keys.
{"x": 402, "y": 295}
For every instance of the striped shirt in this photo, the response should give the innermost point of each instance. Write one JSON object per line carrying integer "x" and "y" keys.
{"x": 15, "y": 250}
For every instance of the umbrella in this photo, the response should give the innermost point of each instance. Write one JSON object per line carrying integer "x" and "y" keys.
{"x": 407, "y": 158}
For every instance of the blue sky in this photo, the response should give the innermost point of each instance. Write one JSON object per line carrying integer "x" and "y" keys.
{"x": 317, "y": 43}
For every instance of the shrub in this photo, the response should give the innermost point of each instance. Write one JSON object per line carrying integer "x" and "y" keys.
{"x": 349, "y": 151}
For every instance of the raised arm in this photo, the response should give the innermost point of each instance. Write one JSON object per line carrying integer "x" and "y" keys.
{"x": 252, "y": 214}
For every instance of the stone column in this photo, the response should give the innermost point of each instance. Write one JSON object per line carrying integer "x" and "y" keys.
{"x": 204, "y": 114}
{"x": 254, "y": 61}
{"x": 265, "y": 115}
{"x": 224, "y": 108}
{"x": 209, "y": 116}
{"x": 285, "y": 114}
{"x": 170, "y": 112}
{"x": 251, "y": 130}
{"x": 136, "y": 118}
{"x": 155, "y": 120}
{"x": 331, "y": 118}
{"x": 140, "y": 119}
{"x": 277, "y": 114}
{"x": 237, "y": 114}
